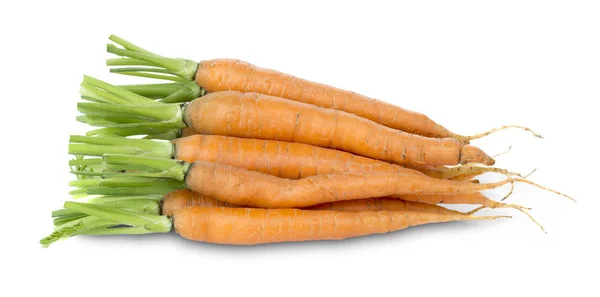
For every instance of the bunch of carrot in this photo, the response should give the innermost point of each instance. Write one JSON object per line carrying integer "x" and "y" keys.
{"x": 231, "y": 153}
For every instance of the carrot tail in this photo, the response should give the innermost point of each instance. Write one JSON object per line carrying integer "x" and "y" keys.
{"x": 526, "y": 181}
{"x": 532, "y": 219}
{"x": 471, "y": 169}
{"x": 472, "y": 212}
{"x": 486, "y": 133}
{"x": 502, "y": 153}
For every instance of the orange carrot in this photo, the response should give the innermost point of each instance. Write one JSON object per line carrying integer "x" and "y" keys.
{"x": 249, "y": 188}
{"x": 179, "y": 199}
{"x": 252, "y": 115}
{"x": 246, "y": 226}
{"x": 297, "y": 160}
{"x": 234, "y": 75}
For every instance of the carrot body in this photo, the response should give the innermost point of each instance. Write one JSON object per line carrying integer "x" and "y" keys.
{"x": 183, "y": 198}
{"x": 234, "y": 75}
{"x": 250, "y": 188}
{"x": 252, "y": 115}
{"x": 279, "y": 158}
{"x": 247, "y": 226}
{"x": 296, "y": 160}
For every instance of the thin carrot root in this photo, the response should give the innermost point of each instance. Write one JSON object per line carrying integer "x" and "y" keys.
{"x": 502, "y": 153}
{"x": 466, "y": 171}
{"x": 530, "y": 173}
{"x": 512, "y": 185}
{"x": 531, "y": 217}
{"x": 526, "y": 181}
{"x": 492, "y": 204}
{"x": 472, "y": 212}
{"x": 486, "y": 133}
{"x": 512, "y": 188}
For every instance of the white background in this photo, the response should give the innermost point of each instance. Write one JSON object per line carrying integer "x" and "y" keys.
{"x": 470, "y": 65}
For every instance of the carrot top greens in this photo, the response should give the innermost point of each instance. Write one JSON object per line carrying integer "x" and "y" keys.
{"x": 163, "y": 68}
{"x": 124, "y": 217}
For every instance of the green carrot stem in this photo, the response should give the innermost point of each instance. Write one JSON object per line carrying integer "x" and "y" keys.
{"x": 183, "y": 91}
{"x": 126, "y": 62}
{"x": 98, "y": 150}
{"x": 154, "y": 91}
{"x": 139, "y": 205}
{"x": 185, "y": 69}
{"x": 71, "y": 228}
{"x": 151, "y": 222}
{"x": 61, "y": 220}
{"x": 78, "y": 193}
{"x": 127, "y": 181}
{"x": 122, "y": 173}
{"x": 158, "y": 116}
{"x": 104, "y": 199}
{"x": 151, "y": 133}
{"x": 121, "y": 230}
{"x": 62, "y": 213}
{"x": 96, "y": 121}
{"x": 169, "y": 168}
{"x": 114, "y": 92}
{"x": 188, "y": 92}
{"x": 144, "y": 69}
{"x": 109, "y": 120}
{"x": 98, "y": 146}
{"x": 124, "y": 191}
{"x": 128, "y": 45}
{"x": 169, "y": 135}
{"x": 147, "y": 73}
{"x": 90, "y": 93}
{"x": 84, "y": 162}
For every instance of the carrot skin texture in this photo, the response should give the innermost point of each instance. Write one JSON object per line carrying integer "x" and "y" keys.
{"x": 235, "y": 75}
{"x": 293, "y": 160}
{"x": 252, "y": 115}
{"x": 249, "y": 226}
{"x": 283, "y": 159}
{"x": 183, "y": 198}
{"x": 249, "y": 188}
{"x": 180, "y": 199}
{"x": 383, "y": 204}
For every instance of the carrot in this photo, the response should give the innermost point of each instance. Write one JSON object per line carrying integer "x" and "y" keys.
{"x": 249, "y": 188}
{"x": 174, "y": 190}
{"x": 280, "y": 158}
{"x": 246, "y": 226}
{"x": 252, "y": 115}
{"x": 113, "y": 192}
{"x": 182, "y": 198}
{"x": 234, "y": 75}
